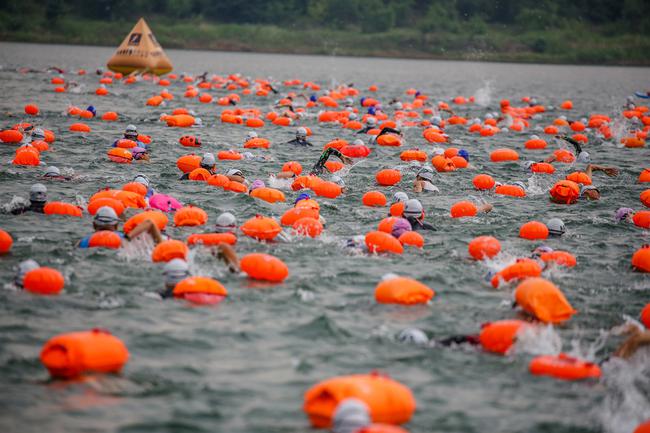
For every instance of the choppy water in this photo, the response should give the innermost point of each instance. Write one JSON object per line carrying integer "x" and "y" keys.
{"x": 244, "y": 365}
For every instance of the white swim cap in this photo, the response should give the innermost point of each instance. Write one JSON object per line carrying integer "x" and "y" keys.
{"x": 251, "y": 135}
{"x": 208, "y": 160}
{"x": 350, "y": 416}
{"x": 399, "y": 197}
{"x": 357, "y": 142}
{"x": 412, "y": 335}
{"x": 38, "y": 134}
{"x": 371, "y": 121}
{"x": 235, "y": 172}
{"x": 301, "y": 132}
{"x": 337, "y": 180}
{"x": 413, "y": 207}
{"x": 226, "y": 222}
{"x": 38, "y": 192}
{"x": 175, "y": 271}
{"x": 426, "y": 175}
{"x": 52, "y": 171}
{"x": 24, "y": 267}
{"x": 106, "y": 217}
{"x": 556, "y": 226}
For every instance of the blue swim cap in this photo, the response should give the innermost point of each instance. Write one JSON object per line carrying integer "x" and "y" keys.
{"x": 418, "y": 93}
{"x": 313, "y": 98}
{"x": 303, "y": 196}
{"x": 363, "y": 98}
{"x": 371, "y": 110}
{"x": 464, "y": 154}
{"x": 92, "y": 110}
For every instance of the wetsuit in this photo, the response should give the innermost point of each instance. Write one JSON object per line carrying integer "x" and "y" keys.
{"x": 34, "y": 206}
{"x": 320, "y": 165}
{"x": 459, "y": 339}
{"x": 299, "y": 142}
{"x": 417, "y": 225}
{"x": 575, "y": 144}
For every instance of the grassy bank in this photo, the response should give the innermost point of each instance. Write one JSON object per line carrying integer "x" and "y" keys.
{"x": 576, "y": 44}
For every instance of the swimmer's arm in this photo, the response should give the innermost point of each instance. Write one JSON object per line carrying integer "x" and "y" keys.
{"x": 285, "y": 175}
{"x": 568, "y": 139}
{"x": 609, "y": 171}
{"x": 633, "y": 343}
{"x": 227, "y": 253}
{"x": 459, "y": 339}
{"x": 487, "y": 207}
{"x": 550, "y": 159}
{"x": 236, "y": 178}
{"x": 146, "y": 226}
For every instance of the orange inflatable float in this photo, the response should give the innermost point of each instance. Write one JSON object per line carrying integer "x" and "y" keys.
{"x": 411, "y": 238}
{"x": 579, "y": 177}
{"x": 483, "y": 182}
{"x": 115, "y": 204}
{"x": 60, "y": 208}
{"x": 120, "y": 155}
{"x": 500, "y": 336}
{"x": 463, "y": 209}
{"x": 413, "y": 155}
{"x": 645, "y": 198}
{"x": 210, "y": 239}
{"x": 292, "y": 166}
{"x": 543, "y": 300}
{"x": 523, "y": 268}
{"x": 374, "y": 199}
{"x": 533, "y": 230}
{"x": 105, "y": 239}
{"x": 565, "y": 192}
{"x": 188, "y": 163}
{"x": 388, "y": 401}
{"x": 261, "y": 228}
{"x": 168, "y": 250}
{"x": 510, "y": 190}
{"x": 388, "y": 177}
{"x": 641, "y": 259}
{"x": 190, "y": 216}
{"x": 504, "y": 155}
{"x": 270, "y": 195}
{"x": 71, "y": 355}
{"x": 257, "y": 143}
{"x": 190, "y": 141}
{"x": 155, "y": 216}
{"x": 381, "y": 242}
{"x": 128, "y": 198}
{"x": 561, "y": 258}
{"x": 308, "y": 227}
{"x": 402, "y": 290}
{"x": 200, "y": 290}
{"x": 43, "y": 281}
{"x": 264, "y": 267}
{"x": 483, "y": 247}
{"x": 295, "y": 213}
{"x": 327, "y": 189}
{"x": 564, "y": 367}
{"x": 6, "y": 241}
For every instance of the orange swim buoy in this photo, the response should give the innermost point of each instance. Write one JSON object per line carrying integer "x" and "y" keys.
{"x": 168, "y": 250}
{"x": 31, "y": 109}
{"x": 396, "y": 209}
{"x": 483, "y": 182}
{"x": 381, "y": 242}
{"x": 542, "y": 167}
{"x": 411, "y": 238}
{"x": 135, "y": 187}
{"x": 327, "y": 189}
{"x": 94, "y": 205}
{"x": 43, "y": 281}
{"x": 293, "y": 166}
{"x": 96, "y": 351}
{"x": 561, "y": 258}
{"x": 270, "y": 195}
{"x": 402, "y": 290}
{"x": 644, "y": 176}
{"x": 504, "y": 155}
{"x": 110, "y": 116}
{"x": 308, "y": 227}
{"x": 535, "y": 144}
{"x": 565, "y": 192}
{"x": 500, "y": 336}
{"x": 264, "y": 267}
{"x": 483, "y": 247}
{"x": 261, "y": 228}
{"x": 388, "y": 177}
{"x": 155, "y": 216}
{"x": 105, "y": 239}
{"x": 579, "y": 177}
{"x": 61, "y": 208}
{"x": 237, "y": 187}
{"x": 218, "y": 180}
{"x": 522, "y": 268}
{"x": 510, "y": 190}
{"x": 229, "y": 155}
{"x": 190, "y": 141}
{"x": 641, "y": 259}
{"x": 188, "y": 163}
{"x": 190, "y": 216}
{"x": 210, "y": 239}
{"x": 11, "y": 136}
{"x": 6, "y": 241}
{"x": 645, "y": 197}
{"x": 563, "y": 155}
{"x": 413, "y": 155}
{"x": 645, "y": 315}
{"x": 119, "y": 155}
{"x": 200, "y": 290}
{"x": 127, "y": 198}
{"x": 389, "y": 140}
{"x": 533, "y": 230}
{"x": 79, "y": 127}
{"x": 463, "y": 209}
{"x": 374, "y": 199}
{"x": 334, "y": 166}
{"x": 388, "y": 400}
{"x": 295, "y": 213}
{"x": 543, "y": 300}
{"x": 199, "y": 175}
{"x": 257, "y": 143}
{"x": 27, "y": 157}
{"x": 564, "y": 367}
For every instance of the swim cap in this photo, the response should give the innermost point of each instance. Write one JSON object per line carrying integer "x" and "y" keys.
{"x": 528, "y": 164}
{"x": 349, "y": 101}
{"x": 538, "y": 251}
{"x": 38, "y": 192}
{"x": 353, "y": 116}
{"x": 584, "y": 157}
{"x": 175, "y": 271}
{"x": 131, "y": 128}
{"x": 251, "y": 135}
{"x": 399, "y": 197}
{"x": 520, "y": 184}
{"x": 301, "y": 132}
{"x": 398, "y": 106}
{"x": 371, "y": 110}
{"x": 534, "y": 137}
{"x": 303, "y": 196}
{"x": 137, "y": 152}
{"x": 92, "y": 109}
{"x": 489, "y": 116}
{"x": 208, "y": 160}
{"x": 313, "y": 98}
{"x": 24, "y": 267}
{"x": 350, "y": 416}
{"x": 371, "y": 121}
{"x": 584, "y": 188}
{"x": 556, "y": 227}
{"x": 400, "y": 226}
{"x": 226, "y": 222}
{"x": 357, "y": 142}
{"x": 413, "y": 208}
{"x": 106, "y": 217}
{"x": 141, "y": 178}
{"x": 257, "y": 184}
{"x": 464, "y": 154}
{"x": 426, "y": 175}
{"x": 235, "y": 172}
{"x": 438, "y": 151}
{"x": 337, "y": 180}
{"x": 412, "y": 335}
{"x": 38, "y": 134}
{"x": 623, "y": 213}
{"x": 52, "y": 171}
{"x": 131, "y": 132}
{"x": 248, "y": 155}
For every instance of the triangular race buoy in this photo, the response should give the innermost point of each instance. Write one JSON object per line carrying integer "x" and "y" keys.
{"x": 140, "y": 52}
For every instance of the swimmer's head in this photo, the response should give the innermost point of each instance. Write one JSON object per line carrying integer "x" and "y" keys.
{"x": 584, "y": 157}
{"x": 38, "y": 134}
{"x": 226, "y": 223}
{"x": 141, "y": 178}
{"x": 92, "y": 109}
{"x": 208, "y": 161}
{"x": 357, "y": 142}
{"x": 131, "y": 132}
{"x": 400, "y": 197}
{"x": 198, "y": 121}
{"x": 556, "y": 227}
{"x": 436, "y": 120}
{"x": 520, "y": 184}
{"x": 175, "y": 271}
{"x": 589, "y": 192}
{"x": 350, "y": 416}
{"x": 538, "y": 251}
{"x": 412, "y": 336}
{"x": 251, "y": 135}
{"x": 52, "y": 171}
{"x": 398, "y": 106}
{"x": 235, "y": 172}
{"x": 400, "y": 226}
{"x": 623, "y": 214}
{"x": 425, "y": 175}
{"x": 138, "y": 152}
{"x": 413, "y": 208}
{"x": 303, "y": 196}
{"x": 24, "y": 267}
{"x": 338, "y": 180}
{"x": 528, "y": 165}
{"x": 464, "y": 154}
{"x": 353, "y": 116}
{"x": 371, "y": 121}
{"x": 38, "y": 193}
{"x": 106, "y": 219}
{"x": 301, "y": 133}
{"x": 257, "y": 183}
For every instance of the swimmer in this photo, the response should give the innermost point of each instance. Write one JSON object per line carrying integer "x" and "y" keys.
{"x": 624, "y": 214}
{"x": 424, "y": 181}
{"x": 106, "y": 219}
{"x": 237, "y": 175}
{"x": 37, "y": 135}
{"x": 353, "y": 416}
{"x": 582, "y": 156}
{"x": 414, "y": 213}
{"x": 144, "y": 180}
{"x": 140, "y": 154}
{"x": 175, "y": 271}
{"x": 22, "y": 269}
{"x": 250, "y": 136}
{"x": 257, "y": 183}
{"x": 371, "y": 123}
{"x": 208, "y": 162}
{"x": 317, "y": 169}
{"x": 53, "y": 173}
{"x": 301, "y": 138}
{"x": 591, "y": 192}
{"x": 556, "y": 227}
{"x": 226, "y": 223}
{"x": 37, "y": 200}
{"x": 131, "y": 133}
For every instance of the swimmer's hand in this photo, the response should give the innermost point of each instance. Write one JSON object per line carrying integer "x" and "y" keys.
{"x": 611, "y": 171}
{"x": 632, "y": 344}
